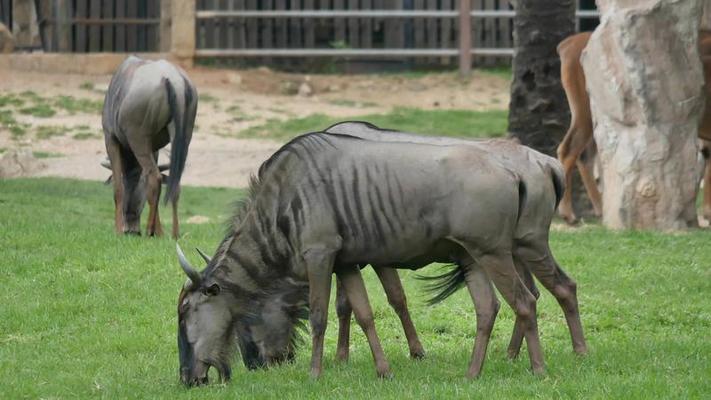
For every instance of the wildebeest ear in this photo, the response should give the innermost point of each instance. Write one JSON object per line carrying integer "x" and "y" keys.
{"x": 212, "y": 290}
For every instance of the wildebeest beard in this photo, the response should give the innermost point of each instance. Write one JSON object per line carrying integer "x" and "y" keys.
{"x": 270, "y": 332}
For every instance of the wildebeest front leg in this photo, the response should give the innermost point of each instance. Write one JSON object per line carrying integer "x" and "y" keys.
{"x": 319, "y": 267}
{"x": 343, "y": 311}
{"x": 152, "y": 178}
{"x": 358, "y": 298}
{"x": 487, "y": 307}
{"x": 396, "y": 297}
{"x": 113, "y": 149}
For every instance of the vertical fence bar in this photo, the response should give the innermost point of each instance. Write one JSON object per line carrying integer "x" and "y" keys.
{"x": 107, "y": 37}
{"x": 465, "y": 38}
{"x": 94, "y": 30}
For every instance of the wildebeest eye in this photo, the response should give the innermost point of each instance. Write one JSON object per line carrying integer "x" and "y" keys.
{"x": 212, "y": 290}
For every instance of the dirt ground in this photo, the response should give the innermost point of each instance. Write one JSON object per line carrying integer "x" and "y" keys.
{"x": 231, "y": 101}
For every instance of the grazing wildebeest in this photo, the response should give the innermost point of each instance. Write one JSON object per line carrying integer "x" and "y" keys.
{"x": 578, "y": 146}
{"x": 543, "y": 177}
{"x": 148, "y": 105}
{"x": 327, "y": 203}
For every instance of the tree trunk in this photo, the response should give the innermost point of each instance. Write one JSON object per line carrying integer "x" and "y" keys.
{"x": 645, "y": 83}
{"x": 538, "y": 113}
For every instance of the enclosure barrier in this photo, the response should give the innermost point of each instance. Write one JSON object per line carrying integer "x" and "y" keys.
{"x": 465, "y": 51}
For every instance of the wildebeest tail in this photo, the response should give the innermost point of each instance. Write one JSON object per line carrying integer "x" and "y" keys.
{"x": 179, "y": 143}
{"x": 443, "y": 285}
{"x": 555, "y": 170}
{"x": 522, "y": 197}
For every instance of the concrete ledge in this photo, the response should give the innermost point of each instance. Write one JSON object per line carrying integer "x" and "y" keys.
{"x": 71, "y": 63}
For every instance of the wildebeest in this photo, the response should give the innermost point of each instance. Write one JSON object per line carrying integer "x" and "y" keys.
{"x": 543, "y": 176}
{"x": 578, "y": 145}
{"x": 328, "y": 203}
{"x": 148, "y": 105}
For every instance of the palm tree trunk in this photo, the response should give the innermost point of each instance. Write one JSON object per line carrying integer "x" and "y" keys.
{"x": 538, "y": 113}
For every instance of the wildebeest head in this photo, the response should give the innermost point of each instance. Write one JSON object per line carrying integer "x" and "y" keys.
{"x": 206, "y": 323}
{"x": 134, "y": 195}
{"x": 215, "y": 313}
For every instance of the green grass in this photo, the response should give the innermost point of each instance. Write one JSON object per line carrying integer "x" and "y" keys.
{"x": 39, "y": 110}
{"x": 458, "y": 123}
{"x": 73, "y": 105}
{"x": 501, "y": 72}
{"x": 87, "y": 85}
{"x": 88, "y": 314}
{"x": 48, "y": 131}
{"x": 45, "y": 154}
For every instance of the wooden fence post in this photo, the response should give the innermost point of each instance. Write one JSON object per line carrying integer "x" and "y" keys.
{"x": 165, "y": 26}
{"x": 182, "y": 32}
{"x": 465, "y": 38}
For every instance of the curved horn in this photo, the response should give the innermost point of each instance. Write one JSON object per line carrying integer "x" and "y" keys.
{"x": 203, "y": 255}
{"x": 106, "y": 164}
{"x": 189, "y": 270}
{"x": 163, "y": 167}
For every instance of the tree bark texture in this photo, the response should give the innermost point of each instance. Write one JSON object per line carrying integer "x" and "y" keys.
{"x": 538, "y": 112}
{"x": 645, "y": 82}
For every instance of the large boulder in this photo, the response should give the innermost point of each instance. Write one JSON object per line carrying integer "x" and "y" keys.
{"x": 645, "y": 83}
{"x": 7, "y": 43}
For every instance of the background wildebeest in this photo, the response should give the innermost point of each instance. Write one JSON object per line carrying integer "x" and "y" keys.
{"x": 578, "y": 145}
{"x": 148, "y": 105}
{"x": 328, "y": 203}
{"x": 543, "y": 176}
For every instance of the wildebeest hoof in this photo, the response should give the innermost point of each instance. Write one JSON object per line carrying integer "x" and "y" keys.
{"x": 417, "y": 354}
{"x": 198, "y": 381}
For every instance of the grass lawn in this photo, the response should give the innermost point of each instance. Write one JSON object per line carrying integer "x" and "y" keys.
{"x": 86, "y": 314}
{"x": 457, "y": 123}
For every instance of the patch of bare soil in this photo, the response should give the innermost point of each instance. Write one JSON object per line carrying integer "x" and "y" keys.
{"x": 230, "y": 101}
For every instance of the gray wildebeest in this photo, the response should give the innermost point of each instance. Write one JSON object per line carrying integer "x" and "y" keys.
{"x": 543, "y": 176}
{"x": 148, "y": 105}
{"x": 578, "y": 146}
{"x": 328, "y": 203}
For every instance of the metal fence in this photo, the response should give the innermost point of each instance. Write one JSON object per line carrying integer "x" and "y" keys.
{"x": 83, "y": 26}
{"x": 366, "y": 28}
{"x": 6, "y": 13}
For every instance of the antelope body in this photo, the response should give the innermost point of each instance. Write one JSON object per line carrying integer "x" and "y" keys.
{"x": 578, "y": 146}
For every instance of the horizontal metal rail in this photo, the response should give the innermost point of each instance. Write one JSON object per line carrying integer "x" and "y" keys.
{"x": 106, "y": 21}
{"x": 384, "y": 53}
{"x": 209, "y": 14}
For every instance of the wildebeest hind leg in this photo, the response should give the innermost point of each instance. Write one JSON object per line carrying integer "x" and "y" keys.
{"x": 540, "y": 261}
{"x": 114, "y": 151}
{"x": 176, "y": 226}
{"x": 487, "y": 307}
{"x": 343, "y": 311}
{"x": 517, "y": 334}
{"x": 501, "y": 270}
{"x": 358, "y": 298}
{"x": 390, "y": 280}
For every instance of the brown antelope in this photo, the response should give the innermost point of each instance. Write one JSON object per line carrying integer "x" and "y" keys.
{"x": 148, "y": 105}
{"x": 578, "y": 147}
